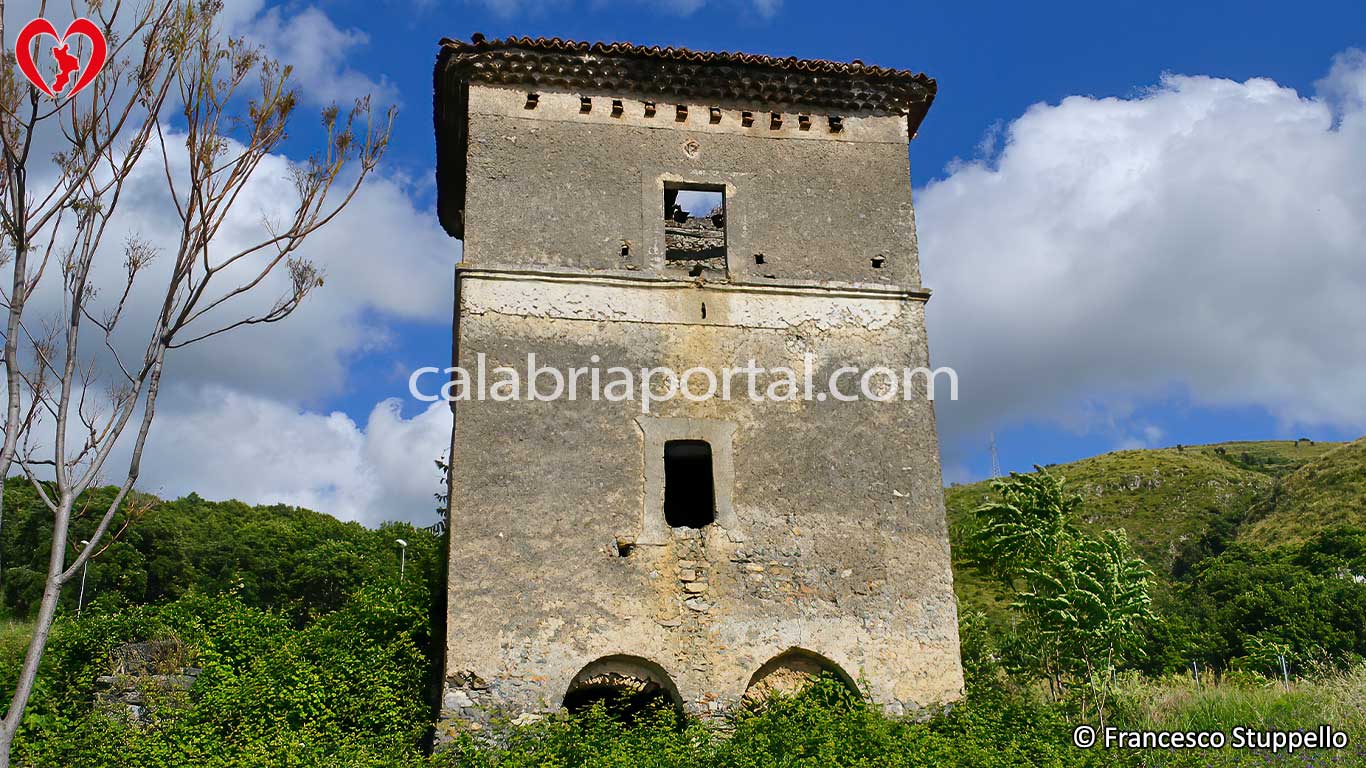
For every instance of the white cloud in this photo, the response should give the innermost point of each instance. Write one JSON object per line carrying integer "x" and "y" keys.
{"x": 224, "y": 444}
{"x": 233, "y": 420}
{"x": 506, "y": 8}
{"x": 1206, "y": 236}
{"x": 317, "y": 49}
{"x": 384, "y": 259}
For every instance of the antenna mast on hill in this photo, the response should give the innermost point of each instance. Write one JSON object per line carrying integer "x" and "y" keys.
{"x": 995, "y": 458}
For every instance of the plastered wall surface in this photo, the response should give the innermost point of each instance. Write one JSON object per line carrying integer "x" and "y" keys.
{"x": 553, "y": 187}
{"x": 835, "y": 542}
{"x": 829, "y": 549}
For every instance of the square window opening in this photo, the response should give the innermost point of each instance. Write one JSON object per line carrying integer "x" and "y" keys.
{"x": 694, "y": 226}
{"x": 689, "y": 490}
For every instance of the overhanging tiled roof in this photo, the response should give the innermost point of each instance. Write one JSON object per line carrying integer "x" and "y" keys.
{"x": 677, "y": 74}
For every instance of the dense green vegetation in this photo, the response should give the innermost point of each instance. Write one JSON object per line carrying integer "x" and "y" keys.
{"x": 1230, "y": 593}
{"x": 277, "y": 557}
{"x": 310, "y": 644}
{"x": 313, "y": 653}
{"x": 351, "y": 682}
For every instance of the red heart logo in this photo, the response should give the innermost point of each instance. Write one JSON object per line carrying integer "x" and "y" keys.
{"x": 67, "y": 63}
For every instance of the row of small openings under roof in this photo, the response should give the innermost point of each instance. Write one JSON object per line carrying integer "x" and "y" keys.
{"x": 714, "y": 114}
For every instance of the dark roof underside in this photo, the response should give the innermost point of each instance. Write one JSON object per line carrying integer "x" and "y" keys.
{"x": 669, "y": 74}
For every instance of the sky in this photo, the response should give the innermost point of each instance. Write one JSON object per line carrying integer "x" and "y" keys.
{"x": 1144, "y": 224}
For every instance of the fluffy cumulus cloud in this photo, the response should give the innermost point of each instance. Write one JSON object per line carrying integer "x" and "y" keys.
{"x": 234, "y": 420}
{"x": 237, "y": 416}
{"x": 383, "y": 259}
{"x": 223, "y": 444}
{"x": 1206, "y": 237}
{"x": 310, "y": 42}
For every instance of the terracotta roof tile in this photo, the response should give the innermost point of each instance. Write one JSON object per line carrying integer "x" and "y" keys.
{"x": 478, "y": 43}
{"x": 687, "y": 75}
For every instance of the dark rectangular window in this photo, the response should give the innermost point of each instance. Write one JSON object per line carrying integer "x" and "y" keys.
{"x": 689, "y": 493}
{"x": 695, "y": 226}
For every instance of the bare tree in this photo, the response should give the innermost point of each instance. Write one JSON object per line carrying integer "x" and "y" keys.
{"x": 210, "y": 109}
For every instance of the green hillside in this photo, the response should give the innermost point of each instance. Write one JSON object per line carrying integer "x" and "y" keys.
{"x": 313, "y": 651}
{"x": 1166, "y": 497}
{"x": 274, "y": 555}
{"x": 1330, "y": 490}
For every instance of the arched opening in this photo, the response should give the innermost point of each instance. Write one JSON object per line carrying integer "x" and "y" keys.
{"x": 792, "y": 672}
{"x": 626, "y": 686}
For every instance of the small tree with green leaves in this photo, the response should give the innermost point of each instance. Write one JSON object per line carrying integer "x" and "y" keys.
{"x": 1031, "y": 524}
{"x": 1084, "y": 599}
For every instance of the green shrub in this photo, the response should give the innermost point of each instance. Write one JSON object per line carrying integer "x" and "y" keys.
{"x": 348, "y": 686}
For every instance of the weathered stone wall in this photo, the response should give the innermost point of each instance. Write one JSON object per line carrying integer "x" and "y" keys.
{"x": 144, "y": 679}
{"x": 829, "y": 549}
{"x": 832, "y": 541}
{"x": 555, "y": 187}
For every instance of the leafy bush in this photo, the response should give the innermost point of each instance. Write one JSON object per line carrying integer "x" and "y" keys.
{"x": 823, "y": 727}
{"x": 272, "y": 556}
{"x": 349, "y": 686}
{"x": 1249, "y": 604}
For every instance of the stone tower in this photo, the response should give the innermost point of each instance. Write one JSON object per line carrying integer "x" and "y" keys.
{"x": 642, "y": 208}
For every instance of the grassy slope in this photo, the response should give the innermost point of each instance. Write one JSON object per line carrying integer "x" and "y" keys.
{"x": 1163, "y": 496}
{"x": 1331, "y": 490}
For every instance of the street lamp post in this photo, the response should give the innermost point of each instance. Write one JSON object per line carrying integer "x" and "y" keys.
{"x": 80, "y": 597}
{"x": 402, "y": 557}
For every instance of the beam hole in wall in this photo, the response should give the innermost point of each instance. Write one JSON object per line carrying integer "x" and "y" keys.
{"x": 878, "y": 261}
{"x": 689, "y": 486}
{"x": 695, "y": 226}
{"x": 617, "y": 108}
{"x": 627, "y": 686}
{"x": 758, "y": 258}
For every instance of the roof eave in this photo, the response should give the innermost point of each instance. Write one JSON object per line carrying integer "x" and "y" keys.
{"x": 451, "y": 116}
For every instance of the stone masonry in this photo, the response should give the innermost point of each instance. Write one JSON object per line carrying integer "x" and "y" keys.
{"x": 816, "y": 539}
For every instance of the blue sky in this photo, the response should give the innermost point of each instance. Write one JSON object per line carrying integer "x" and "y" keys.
{"x": 992, "y": 61}
{"x": 1144, "y": 223}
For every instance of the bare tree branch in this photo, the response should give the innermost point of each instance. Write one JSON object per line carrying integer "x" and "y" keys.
{"x": 62, "y": 419}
